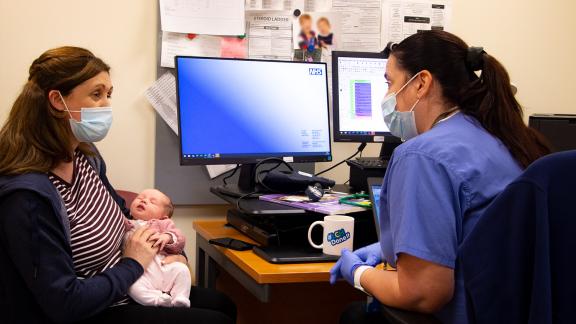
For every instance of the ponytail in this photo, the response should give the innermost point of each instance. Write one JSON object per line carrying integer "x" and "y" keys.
{"x": 491, "y": 101}
{"x": 487, "y": 97}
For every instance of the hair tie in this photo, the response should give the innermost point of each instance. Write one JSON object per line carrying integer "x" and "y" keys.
{"x": 388, "y": 49}
{"x": 475, "y": 58}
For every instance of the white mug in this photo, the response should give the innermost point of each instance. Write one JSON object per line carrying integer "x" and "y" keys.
{"x": 338, "y": 234}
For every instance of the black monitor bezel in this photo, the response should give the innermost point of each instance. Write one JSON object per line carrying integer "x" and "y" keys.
{"x": 249, "y": 159}
{"x": 375, "y": 181}
{"x": 384, "y": 136}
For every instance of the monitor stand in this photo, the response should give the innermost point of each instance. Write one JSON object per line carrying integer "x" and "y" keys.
{"x": 388, "y": 147}
{"x": 246, "y": 183}
{"x": 371, "y": 167}
{"x": 386, "y": 150}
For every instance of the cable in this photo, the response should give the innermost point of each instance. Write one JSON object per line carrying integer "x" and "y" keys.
{"x": 258, "y": 179}
{"x": 238, "y": 207}
{"x": 358, "y": 151}
{"x": 259, "y": 174}
{"x": 231, "y": 175}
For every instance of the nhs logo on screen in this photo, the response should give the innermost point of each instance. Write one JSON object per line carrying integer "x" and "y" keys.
{"x": 315, "y": 71}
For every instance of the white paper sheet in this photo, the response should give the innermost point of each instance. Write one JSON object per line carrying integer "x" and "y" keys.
{"x": 290, "y": 5}
{"x": 174, "y": 44}
{"x": 361, "y": 24}
{"x": 210, "y": 17}
{"x": 269, "y": 35}
{"x": 162, "y": 96}
{"x": 317, "y": 5}
{"x": 407, "y": 17}
{"x": 217, "y": 170}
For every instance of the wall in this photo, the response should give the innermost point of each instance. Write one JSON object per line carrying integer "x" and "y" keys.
{"x": 123, "y": 34}
{"x": 535, "y": 41}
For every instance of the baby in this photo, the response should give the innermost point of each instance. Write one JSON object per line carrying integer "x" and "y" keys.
{"x": 166, "y": 285}
{"x": 325, "y": 35}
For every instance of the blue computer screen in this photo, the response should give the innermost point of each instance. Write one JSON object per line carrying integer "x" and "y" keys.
{"x": 376, "y": 190}
{"x": 242, "y": 108}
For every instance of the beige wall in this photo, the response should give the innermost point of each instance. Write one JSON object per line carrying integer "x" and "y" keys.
{"x": 535, "y": 40}
{"x": 123, "y": 34}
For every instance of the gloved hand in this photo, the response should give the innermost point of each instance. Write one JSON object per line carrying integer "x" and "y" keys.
{"x": 371, "y": 255}
{"x": 345, "y": 267}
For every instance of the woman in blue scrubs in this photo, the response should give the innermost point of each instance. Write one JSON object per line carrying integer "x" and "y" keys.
{"x": 465, "y": 140}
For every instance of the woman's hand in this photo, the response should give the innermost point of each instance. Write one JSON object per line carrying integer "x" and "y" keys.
{"x": 140, "y": 248}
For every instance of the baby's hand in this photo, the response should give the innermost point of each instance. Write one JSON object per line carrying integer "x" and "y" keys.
{"x": 161, "y": 240}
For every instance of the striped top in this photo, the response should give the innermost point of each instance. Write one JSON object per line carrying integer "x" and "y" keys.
{"x": 96, "y": 221}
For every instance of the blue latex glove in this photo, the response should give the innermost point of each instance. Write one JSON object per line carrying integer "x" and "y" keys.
{"x": 371, "y": 255}
{"x": 345, "y": 267}
{"x": 335, "y": 272}
{"x": 350, "y": 262}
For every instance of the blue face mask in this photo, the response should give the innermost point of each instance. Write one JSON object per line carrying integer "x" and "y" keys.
{"x": 401, "y": 124}
{"x": 94, "y": 123}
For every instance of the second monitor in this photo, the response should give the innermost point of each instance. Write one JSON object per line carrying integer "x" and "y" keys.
{"x": 359, "y": 86}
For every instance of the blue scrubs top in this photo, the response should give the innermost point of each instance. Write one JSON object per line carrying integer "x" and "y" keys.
{"x": 436, "y": 188}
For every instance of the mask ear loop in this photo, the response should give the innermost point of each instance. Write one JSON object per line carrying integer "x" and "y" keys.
{"x": 65, "y": 105}
{"x": 414, "y": 105}
{"x": 405, "y": 85}
{"x": 408, "y": 82}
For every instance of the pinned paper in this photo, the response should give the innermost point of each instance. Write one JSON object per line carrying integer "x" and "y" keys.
{"x": 211, "y": 17}
{"x": 162, "y": 96}
{"x": 270, "y": 35}
{"x": 233, "y": 47}
{"x": 218, "y": 170}
{"x": 407, "y": 17}
{"x": 174, "y": 44}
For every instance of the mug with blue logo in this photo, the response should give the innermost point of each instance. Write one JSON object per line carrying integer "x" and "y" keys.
{"x": 338, "y": 234}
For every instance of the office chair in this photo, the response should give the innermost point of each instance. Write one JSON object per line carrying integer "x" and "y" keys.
{"x": 128, "y": 196}
{"x": 519, "y": 261}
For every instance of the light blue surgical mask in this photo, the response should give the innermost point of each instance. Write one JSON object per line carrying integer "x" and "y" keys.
{"x": 401, "y": 124}
{"x": 94, "y": 123}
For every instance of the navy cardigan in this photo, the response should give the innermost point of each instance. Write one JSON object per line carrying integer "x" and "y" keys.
{"x": 38, "y": 283}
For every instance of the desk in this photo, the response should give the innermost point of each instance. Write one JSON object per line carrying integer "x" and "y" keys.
{"x": 253, "y": 272}
{"x": 295, "y": 283}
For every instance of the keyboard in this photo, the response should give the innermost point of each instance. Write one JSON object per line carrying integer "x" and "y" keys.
{"x": 371, "y": 163}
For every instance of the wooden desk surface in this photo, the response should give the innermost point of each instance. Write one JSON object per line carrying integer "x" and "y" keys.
{"x": 257, "y": 268}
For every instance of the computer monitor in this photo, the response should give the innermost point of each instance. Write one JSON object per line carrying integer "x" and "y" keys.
{"x": 359, "y": 86}
{"x": 239, "y": 111}
{"x": 375, "y": 189}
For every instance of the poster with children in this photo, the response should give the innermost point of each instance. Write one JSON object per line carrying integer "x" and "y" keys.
{"x": 316, "y": 35}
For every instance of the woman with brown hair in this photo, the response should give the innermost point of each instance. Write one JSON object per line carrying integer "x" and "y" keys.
{"x": 465, "y": 141}
{"x": 61, "y": 222}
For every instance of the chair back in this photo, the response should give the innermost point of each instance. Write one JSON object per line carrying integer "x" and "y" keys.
{"x": 128, "y": 196}
{"x": 519, "y": 261}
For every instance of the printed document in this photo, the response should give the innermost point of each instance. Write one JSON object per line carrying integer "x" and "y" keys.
{"x": 162, "y": 96}
{"x": 405, "y": 18}
{"x": 361, "y": 24}
{"x": 174, "y": 44}
{"x": 269, "y": 35}
{"x": 210, "y": 17}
